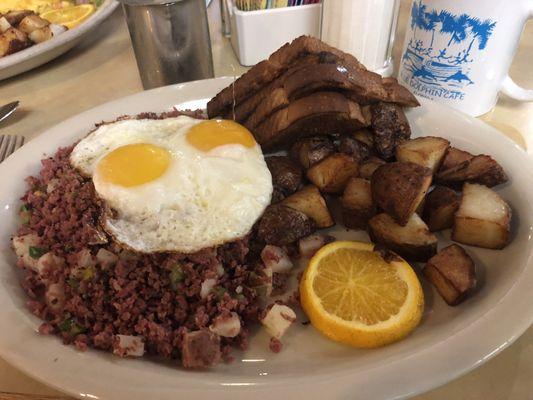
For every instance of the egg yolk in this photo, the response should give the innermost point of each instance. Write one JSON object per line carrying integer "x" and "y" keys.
{"x": 212, "y": 133}
{"x": 133, "y": 164}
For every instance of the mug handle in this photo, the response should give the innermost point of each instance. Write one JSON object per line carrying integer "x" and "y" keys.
{"x": 509, "y": 87}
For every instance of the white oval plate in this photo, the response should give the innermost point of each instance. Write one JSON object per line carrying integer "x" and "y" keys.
{"x": 41, "y": 53}
{"x": 449, "y": 342}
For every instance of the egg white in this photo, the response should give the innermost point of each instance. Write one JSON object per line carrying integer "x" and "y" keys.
{"x": 203, "y": 199}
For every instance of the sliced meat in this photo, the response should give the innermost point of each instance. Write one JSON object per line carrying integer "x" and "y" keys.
{"x": 319, "y": 113}
{"x": 344, "y": 72}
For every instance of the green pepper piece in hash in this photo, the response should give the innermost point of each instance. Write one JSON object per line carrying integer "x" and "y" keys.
{"x": 36, "y": 252}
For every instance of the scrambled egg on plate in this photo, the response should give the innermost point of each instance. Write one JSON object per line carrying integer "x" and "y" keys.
{"x": 39, "y": 6}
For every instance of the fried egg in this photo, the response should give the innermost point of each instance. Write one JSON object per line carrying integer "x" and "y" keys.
{"x": 176, "y": 184}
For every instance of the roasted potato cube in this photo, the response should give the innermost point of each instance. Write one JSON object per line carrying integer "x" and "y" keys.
{"x": 426, "y": 151}
{"x": 390, "y": 128}
{"x": 311, "y": 150}
{"x": 414, "y": 241}
{"x": 12, "y": 41}
{"x": 364, "y": 136}
{"x": 310, "y": 202}
{"x": 480, "y": 169}
{"x": 440, "y": 207}
{"x": 32, "y": 22}
{"x": 368, "y": 167}
{"x": 286, "y": 174}
{"x": 399, "y": 188}
{"x": 483, "y": 218}
{"x": 357, "y": 205}
{"x": 281, "y": 225}
{"x": 353, "y": 147}
{"x": 14, "y": 17}
{"x": 453, "y": 157}
{"x": 452, "y": 272}
{"x": 332, "y": 173}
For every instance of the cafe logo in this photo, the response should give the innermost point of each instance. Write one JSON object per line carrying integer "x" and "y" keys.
{"x": 437, "y": 60}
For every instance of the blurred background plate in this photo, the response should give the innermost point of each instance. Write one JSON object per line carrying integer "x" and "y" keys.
{"x": 41, "y": 53}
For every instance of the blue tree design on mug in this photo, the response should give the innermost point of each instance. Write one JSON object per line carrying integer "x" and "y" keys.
{"x": 443, "y": 58}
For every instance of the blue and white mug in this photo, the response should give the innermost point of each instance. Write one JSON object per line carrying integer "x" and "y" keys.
{"x": 459, "y": 52}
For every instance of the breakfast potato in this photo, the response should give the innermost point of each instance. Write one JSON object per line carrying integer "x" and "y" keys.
{"x": 365, "y": 136}
{"x": 310, "y": 150}
{"x": 14, "y": 17}
{"x": 353, "y": 147}
{"x": 426, "y": 151}
{"x": 357, "y": 205}
{"x": 310, "y": 202}
{"x": 483, "y": 218}
{"x": 31, "y": 23}
{"x": 480, "y": 169}
{"x": 452, "y": 272}
{"x": 414, "y": 241}
{"x": 368, "y": 167}
{"x": 11, "y": 41}
{"x": 281, "y": 225}
{"x": 453, "y": 157}
{"x": 398, "y": 188}
{"x": 332, "y": 173}
{"x": 440, "y": 207}
{"x": 286, "y": 174}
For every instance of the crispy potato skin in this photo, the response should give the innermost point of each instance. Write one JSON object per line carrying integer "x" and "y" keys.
{"x": 399, "y": 188}
{"x": 480, "y": 169}
{"x": 281, "y": 225}
{"x": 440, "y": 207}
{"x": 309, "y": 201}
{"x": 311, "y": 150}
{"x": 356, "y": 202}
{"x": 286, "y": 174}
{"x": 368, "y": 167}
{"x": 353, "y": 147}
{"x": 390, "y": 128}
{"x": 427, "y": 151}
{"x": 414, "y": 243}
{"x": 453, "y": 157}
{"x": 452, "y": 272}
{"x": 332, "y": 173}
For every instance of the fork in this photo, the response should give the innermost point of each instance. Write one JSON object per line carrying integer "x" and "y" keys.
{"x": 8, "y": 145}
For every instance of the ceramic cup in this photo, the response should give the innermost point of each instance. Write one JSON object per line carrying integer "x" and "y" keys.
{"x": 459, "y": 52}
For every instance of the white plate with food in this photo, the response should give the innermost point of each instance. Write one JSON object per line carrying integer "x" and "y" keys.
{"x": 29, "y": 49}
{"x": 449, "y": 341}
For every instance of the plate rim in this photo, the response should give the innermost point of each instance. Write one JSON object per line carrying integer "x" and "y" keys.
{"x": 440, "y": 353}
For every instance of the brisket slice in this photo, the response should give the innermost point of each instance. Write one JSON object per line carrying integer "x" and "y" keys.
{"x": 363, "y": 88}
{"x": 317, "y": 114}
{"x": 278, "y": 63}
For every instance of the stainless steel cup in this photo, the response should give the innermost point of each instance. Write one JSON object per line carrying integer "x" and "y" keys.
{"x": 170, "y": 39}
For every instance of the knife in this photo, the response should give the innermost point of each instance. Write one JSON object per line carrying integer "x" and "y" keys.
{"x": 7, "y": 110}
